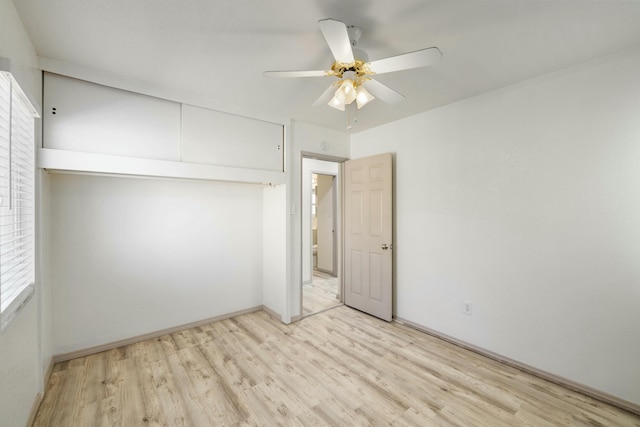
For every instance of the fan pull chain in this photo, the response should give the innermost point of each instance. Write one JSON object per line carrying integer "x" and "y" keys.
{"x": 355, "y": 117}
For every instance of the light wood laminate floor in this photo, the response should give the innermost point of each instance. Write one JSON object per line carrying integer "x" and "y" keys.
{"x": 321, "y": 294}
{"x": 339, "y": 367}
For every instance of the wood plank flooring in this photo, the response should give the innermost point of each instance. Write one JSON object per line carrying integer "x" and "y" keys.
{"x": 339, "y": 368}
{"x": 321, "y": 294}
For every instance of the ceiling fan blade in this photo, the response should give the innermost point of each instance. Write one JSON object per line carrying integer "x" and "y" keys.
{"x": 383, "y": 92}
{"x": 325, "y": 97}
{"x": 335, "y": 33}
{"x": 407, "y": 61}
{"x": 287, "y": 74}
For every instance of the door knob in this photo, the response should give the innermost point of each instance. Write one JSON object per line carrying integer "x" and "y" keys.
{"x": 385, "y": 246}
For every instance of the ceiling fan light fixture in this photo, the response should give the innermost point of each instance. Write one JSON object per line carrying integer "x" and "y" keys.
{"x": 344, "y": 95}
{"x": 336, "y": 102}
{"x": 353, "y": 69}
{"x": 363, "y": 97}
{"x": 348, "y": 90}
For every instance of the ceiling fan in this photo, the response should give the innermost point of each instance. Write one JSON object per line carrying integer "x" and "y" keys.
{"x": 354, "y": 71}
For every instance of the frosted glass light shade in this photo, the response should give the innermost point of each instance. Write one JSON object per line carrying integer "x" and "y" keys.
{"x": 363, "y": 97}
{"x": 337, "y": 101}
{"x": 348, "y": 89}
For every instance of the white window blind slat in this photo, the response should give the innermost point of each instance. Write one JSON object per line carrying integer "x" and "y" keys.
{"x": 5, "y": 126}
{"x": 14, "y": 257}
{"x": 21, "y": 283}
{"x": 14, "y": 252}
{"x": 19, "y": 274}
{"x": 19, "y": 176}
{"x": 14, "y": 236}
{"x": 12, "y": 241}
{"x": 8, "y": 229}
{"x": 17, "y": 173}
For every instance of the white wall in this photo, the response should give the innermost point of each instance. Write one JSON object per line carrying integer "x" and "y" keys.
{"x": 25, "y": 345}
{"x": 19, "y": 367}
{"x": 305, "y": 139}
{"x": 526, "y": 202}
{"x": 135, "y": 256}
{"x": 274, "y": 242}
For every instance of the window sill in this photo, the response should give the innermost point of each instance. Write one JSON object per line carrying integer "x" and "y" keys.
{"x": 10, "y": 313}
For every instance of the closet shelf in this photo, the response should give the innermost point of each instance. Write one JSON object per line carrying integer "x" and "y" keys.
{"x": 93, "y": 163}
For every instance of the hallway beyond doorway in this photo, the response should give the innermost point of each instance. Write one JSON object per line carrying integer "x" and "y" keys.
{"x": 321, "y": 294}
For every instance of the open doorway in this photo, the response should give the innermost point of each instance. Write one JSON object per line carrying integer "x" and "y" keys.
{"x": 321, "y": 284}
{"x": 323, "y": 223}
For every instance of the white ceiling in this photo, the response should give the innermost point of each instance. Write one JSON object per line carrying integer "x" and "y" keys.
{"x": 219, "y": 48}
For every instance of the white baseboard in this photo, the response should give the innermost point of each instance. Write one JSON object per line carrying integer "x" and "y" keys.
{"x": 115, "y": 344}
{"x": 272, "y": 313}
{"x": 38, "y": 399}
{"x": 564, "y": 382}
{"x": 47, "y": 373}
{"x": 34, "y": 409}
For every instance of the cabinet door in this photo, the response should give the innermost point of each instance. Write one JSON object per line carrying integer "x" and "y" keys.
{"x": 228, "y": 140}
{"x": 87, "y": 117}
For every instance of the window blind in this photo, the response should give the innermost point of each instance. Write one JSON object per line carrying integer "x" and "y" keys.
{"x": 17, "y": 197}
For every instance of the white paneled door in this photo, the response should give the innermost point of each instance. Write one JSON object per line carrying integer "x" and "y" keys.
{"x": 368, "y": 235}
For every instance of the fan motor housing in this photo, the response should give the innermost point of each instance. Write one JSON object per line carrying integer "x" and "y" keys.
{"x": 354, "y": 34}
{"x": 359, "y": 67}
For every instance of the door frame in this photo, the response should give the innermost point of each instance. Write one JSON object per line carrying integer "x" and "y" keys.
{"x": 338, "y": 253}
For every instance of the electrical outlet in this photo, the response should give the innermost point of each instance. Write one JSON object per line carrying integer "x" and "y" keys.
{"x": 466, "y": 309}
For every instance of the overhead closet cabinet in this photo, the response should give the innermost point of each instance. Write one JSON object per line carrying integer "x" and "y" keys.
{"x": 88, "y": 127}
